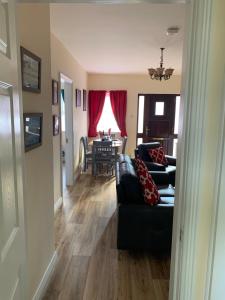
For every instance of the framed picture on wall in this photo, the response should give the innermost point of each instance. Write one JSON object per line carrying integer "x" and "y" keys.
{"x": 55, "y": 92}
{"x": 84, "y": 100}
{"x": 32, "y": 130}
{"x": 78, "y": 97}
{"x": 31, "y": 71}
{"x": 55, "y": 125}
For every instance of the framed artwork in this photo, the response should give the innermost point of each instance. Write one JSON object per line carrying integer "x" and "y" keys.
{"x": 32, "y": 130}
{"x": 31, "y": 71}
{"x": 55, "y": 125}
{"x": 55, "y": 92}
{"x": 78, "y": 97}
{"x": 84, "y": 100}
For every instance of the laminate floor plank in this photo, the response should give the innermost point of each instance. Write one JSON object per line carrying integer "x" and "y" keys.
{"x": 90, "y": 267}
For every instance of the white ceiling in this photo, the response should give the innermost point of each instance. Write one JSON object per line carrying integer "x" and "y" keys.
{"x": 122, "y": 38}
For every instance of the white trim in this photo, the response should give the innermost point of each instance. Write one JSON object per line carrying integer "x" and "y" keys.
{"x": 215, "y": 288}
{"x": 58, "y": 204}
{"x": 42, "y": 287}
{"x": 193, "y": 104}
{"x": 69, "y": 133}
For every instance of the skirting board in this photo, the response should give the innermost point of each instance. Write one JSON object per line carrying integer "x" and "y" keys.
{"x": 58, "y": 204}
{"x": 46, "y": 278}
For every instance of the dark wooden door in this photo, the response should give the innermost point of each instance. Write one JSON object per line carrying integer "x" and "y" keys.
{"x": 159, "y": 116}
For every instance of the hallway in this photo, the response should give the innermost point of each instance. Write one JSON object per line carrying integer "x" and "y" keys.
{"x": 90, "y": 266}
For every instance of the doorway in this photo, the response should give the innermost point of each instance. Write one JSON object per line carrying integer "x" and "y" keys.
{"x": 158, "y": 116}
{"x": 67, "y": 138}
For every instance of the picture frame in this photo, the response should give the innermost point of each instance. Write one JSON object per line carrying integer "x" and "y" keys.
{"x": 78, "y": 97}
{"x": 32, "y": 130}
{"x": 55, "y": 119}
{"x": 84, "y": 100}
{"x": 30, "y": 71}
{"x": 55, "y": 92}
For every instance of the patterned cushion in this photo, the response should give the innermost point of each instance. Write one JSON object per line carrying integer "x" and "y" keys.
{"x": 150, "y": 191}
{"x": 158, "y": 156}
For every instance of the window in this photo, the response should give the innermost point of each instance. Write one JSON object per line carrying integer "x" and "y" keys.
{"x": 141, "y": 104}
{"x": 177, "y": 112}
{"x": 175, "y": 147}
{"x": 107, "y": 119}
{"x": 139, "y": 141}
{"x": 159, "y": 108}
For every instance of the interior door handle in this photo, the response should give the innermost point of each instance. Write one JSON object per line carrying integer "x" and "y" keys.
{"x": 147, "y": 130}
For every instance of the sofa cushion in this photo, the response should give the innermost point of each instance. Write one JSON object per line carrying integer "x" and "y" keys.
{"x": 150, "y": 191}
{"x": 132, "y": 191}
{"x": 143, "y": 150}
{"x": 158, "y": 156}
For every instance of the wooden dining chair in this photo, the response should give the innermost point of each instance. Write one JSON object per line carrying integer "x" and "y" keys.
{"x": 103, "y": 155}
{"x": 87, "y": 154}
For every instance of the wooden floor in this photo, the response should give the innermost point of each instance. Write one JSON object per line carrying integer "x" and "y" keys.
{"x": 90, "y": 266}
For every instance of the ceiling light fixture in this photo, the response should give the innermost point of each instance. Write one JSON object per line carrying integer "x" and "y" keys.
{"x": 160, "y": 73}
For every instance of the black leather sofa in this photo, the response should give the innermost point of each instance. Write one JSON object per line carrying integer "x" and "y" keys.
{"x": 141, "y": 226}
{"x": 142, "y": 152}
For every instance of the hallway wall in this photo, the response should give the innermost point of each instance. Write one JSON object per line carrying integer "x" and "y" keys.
{"x": 62, "y": 61}
{"x": 34, "y": 35}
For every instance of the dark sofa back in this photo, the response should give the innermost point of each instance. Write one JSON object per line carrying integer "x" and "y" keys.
{"x": 143, "y": 150}
{"x": 128, "y": 186}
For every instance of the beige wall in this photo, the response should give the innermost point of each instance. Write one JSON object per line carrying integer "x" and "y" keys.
{"x": 34, "y": 31}
{"x": 63, "y": 61}
{"x": 134, "y": 84}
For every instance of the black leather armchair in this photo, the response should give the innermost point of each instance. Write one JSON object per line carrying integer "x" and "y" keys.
{"x": 141, "y": 226}
{"x": 142, "y": 152}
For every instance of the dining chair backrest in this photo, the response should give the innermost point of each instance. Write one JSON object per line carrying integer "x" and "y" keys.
{"x": 85, "y": 143}
{"x": 124, "y": 143}
{"x": 102, "y": 150}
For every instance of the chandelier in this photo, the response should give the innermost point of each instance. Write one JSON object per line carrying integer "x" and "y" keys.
{"x": 160, "y": 72}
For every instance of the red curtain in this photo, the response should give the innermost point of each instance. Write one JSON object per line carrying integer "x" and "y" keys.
{"x": 118, "y": 101}
{"x": 96, "y": 100}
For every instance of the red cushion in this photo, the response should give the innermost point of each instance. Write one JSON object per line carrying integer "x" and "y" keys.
{"x": 150, "y": 191}
{"x": 158, "y": 156}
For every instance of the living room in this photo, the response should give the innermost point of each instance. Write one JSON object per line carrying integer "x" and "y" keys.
{"x": 42, "y": 165}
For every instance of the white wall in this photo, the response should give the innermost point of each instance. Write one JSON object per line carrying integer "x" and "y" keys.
{"x": 63, "y": 61}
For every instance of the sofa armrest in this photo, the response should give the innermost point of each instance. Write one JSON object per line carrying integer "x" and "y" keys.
{"x": 160, "y": 178}
{"x": 152, "y": 166}
{"x": 171, "y": 160}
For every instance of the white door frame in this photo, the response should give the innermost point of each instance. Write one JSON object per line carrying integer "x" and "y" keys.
{"x": 215, "y": 273}
{"x": 190, "y": 168}
{"x": 13, "y": 276}
{"x": 69, "y": 135}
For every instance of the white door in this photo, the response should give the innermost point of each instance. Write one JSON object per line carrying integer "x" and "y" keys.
{"x": 69, "y": 159}
{"x": 12, "y": 242}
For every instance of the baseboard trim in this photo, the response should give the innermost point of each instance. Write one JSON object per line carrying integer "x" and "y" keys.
{"x": 76, "y": 175}
{"x": 42, "y": 287}
{"x": 58, "y": 204}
